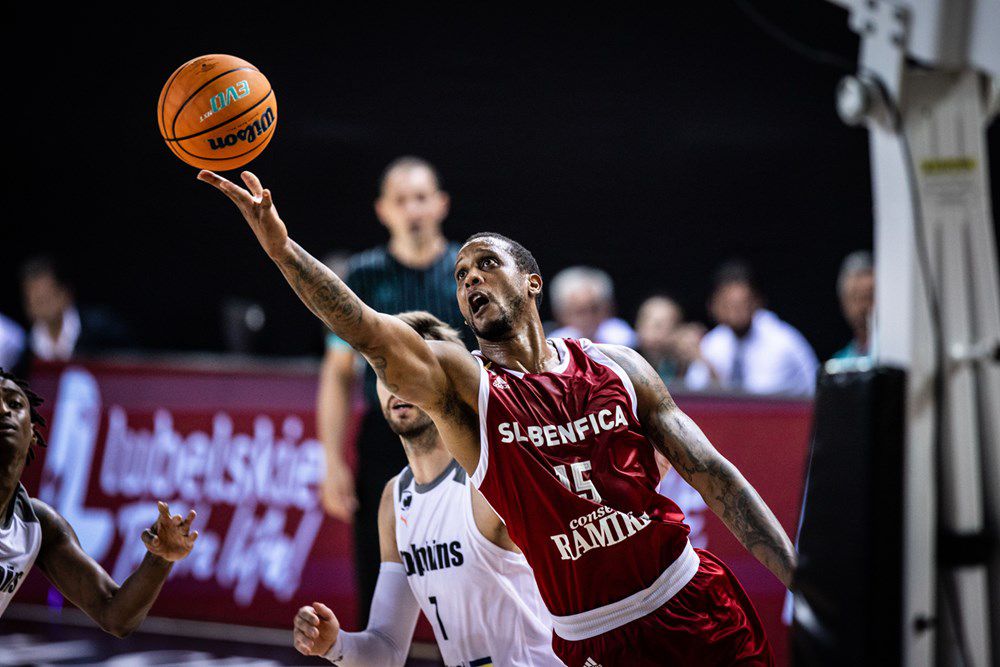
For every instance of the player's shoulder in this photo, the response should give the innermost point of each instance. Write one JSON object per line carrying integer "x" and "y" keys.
{"x": 460, "y": 365}
{"x": 631, "y": 361}
{"x": 52, "y": 522}
{"x": 389, "y": 490}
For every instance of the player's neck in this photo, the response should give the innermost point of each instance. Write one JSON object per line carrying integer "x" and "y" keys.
{"x": 527, "y": 351}
{"x": 417, "y": 251}
{"x": 8, "y": 485}
{"x": 427, "y": 456}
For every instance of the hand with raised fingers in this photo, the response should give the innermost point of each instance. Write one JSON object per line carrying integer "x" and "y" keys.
{"x": 257, "y": 207}
{"x": 170, "y": 537}
{"x": 315, "y": 629}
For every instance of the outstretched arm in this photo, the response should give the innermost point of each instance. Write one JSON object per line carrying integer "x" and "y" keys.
{"x": 718, "y": 481}
{"x": 401, "y": 358}
{"x": 394, "y": 611}
{"x": 116, "y": 609}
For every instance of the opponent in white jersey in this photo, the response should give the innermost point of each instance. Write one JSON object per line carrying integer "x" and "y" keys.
{"x": 31, "y": 531}
{"x": 20, "y": 540}
{"x": 445, "y": 552}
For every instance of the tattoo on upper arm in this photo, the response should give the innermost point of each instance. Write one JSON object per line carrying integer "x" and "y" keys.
{"x": 678, "y": 438}
{"x": 379, "y": 364}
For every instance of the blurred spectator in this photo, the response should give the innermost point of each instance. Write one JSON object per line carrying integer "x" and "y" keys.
{"x": 856, "y": 289}
{"x": 59, "y": 327}
{"x": 751, "y": 349}
{"x": 687, "y": 350}
{"x": 11, "y": 343}
{"x": 656, "y": 326}
{"x": 414, "y": 271}
{"x": 583, "y": 302}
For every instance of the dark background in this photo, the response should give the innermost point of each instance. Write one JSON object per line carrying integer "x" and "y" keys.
{"x": 651, "y": 143}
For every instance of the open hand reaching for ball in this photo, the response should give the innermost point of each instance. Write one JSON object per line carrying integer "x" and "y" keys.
{"x": 256, "y": 206}
{"x": 170, "y": 537}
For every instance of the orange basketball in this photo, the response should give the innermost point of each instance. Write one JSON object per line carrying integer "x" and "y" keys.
{"x": 217, "y": 112}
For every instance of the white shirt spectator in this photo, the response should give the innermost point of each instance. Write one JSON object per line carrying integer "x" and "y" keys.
{"x": 613, "y": 330}
{"x": 11, "y": 342}
{"x": 773, "y": 358}
{"x": 56, "y": 349}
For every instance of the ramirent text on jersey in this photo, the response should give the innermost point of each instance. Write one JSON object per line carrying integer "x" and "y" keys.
{"x": 607, "y": 530}
{"x": 574, "y": 431}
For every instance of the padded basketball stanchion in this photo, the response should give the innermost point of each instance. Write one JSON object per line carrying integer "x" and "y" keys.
{"x": 848, "y": 588}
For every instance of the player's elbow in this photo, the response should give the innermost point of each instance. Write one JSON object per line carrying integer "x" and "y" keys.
{"x": 121, "y": 628}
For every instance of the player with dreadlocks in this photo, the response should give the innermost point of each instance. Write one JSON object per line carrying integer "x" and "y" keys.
{"x": 32, "y": 531}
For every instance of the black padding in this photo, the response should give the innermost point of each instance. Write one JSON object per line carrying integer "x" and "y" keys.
{"x": 848, "y": 600}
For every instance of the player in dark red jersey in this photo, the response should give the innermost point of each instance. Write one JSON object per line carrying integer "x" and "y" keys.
{"x": 559, "y": 435}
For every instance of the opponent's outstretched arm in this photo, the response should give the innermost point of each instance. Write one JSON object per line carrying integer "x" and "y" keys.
{"x": 724, "y": 489}
{"x": 117, "y": 609}
{"x": 401, "y": 358}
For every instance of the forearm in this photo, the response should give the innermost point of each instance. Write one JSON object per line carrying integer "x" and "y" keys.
{"x": 127, "y": 607}
{"x": 728, "y": 494}
{"x": 386, "y": 640}
{"x": 748, "y": 517}
{"x": 327, "y": 296}
{"x": 333, "y": 407}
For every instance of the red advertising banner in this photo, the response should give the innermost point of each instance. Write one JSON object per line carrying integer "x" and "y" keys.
{"x": 239, "y": 446}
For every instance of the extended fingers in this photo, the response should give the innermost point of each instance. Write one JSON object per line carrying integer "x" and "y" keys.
{"x": 186, "y": 523}
{"x": 233, "y": 191}
{"x": 253, "y": 183}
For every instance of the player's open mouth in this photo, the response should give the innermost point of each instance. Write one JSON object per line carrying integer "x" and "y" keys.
{"x": 399, "y": 405}
{"x": 478, "y": 301}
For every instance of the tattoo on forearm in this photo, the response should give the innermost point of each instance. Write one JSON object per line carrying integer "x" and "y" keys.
{"x": 322, "y": 291}
{"x": 726, "y": 491}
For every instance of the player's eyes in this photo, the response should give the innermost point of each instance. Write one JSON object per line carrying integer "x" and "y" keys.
{"x": 460, "y": 275}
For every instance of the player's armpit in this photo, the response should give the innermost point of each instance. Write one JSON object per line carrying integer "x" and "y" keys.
{"x": 722, "y": 486}
{"x": 489, "y": 523}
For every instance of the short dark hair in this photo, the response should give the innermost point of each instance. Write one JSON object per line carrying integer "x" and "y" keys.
{"x": 523, "y": 258}
{"x": 407, "y": 162}
{"x": 734, "y": 271}
{"x": 430, "y": 327}
{"x": 34, "y": 401}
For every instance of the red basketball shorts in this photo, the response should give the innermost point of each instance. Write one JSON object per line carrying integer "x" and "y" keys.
{"x": 711, "y": 621}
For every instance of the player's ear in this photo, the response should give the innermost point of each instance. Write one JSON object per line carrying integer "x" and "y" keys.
{"x": 534, "y": 284}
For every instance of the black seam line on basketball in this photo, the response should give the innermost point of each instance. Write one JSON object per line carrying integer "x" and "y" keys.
{"x": 218, "y": 159}
{"x": 173, "y": 125}
{"x": 181, "y": 146}
{"x": 225, "y": 122}
{"x": 163, "y": 99}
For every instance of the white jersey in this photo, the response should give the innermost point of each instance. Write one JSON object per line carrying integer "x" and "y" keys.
{"x": 20, "y": 540}
{"x": 481, "y": 599}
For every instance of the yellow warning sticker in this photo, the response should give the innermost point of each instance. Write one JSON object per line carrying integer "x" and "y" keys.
{"x": 940, "y": 165}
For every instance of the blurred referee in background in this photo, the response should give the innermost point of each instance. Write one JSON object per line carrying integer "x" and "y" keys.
{"x": 413, "y": 271}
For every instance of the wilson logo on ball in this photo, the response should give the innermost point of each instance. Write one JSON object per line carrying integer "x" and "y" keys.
{"x": 249, "y": 134}
{"x": 226, "y": 97}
